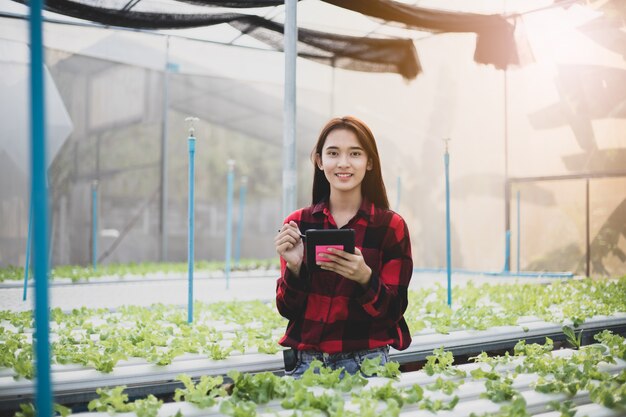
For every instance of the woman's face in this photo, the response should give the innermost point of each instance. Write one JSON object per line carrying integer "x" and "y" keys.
{"x": 343, "y": 160}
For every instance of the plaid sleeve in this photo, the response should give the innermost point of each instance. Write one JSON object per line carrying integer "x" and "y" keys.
{"x": 292, "y": 290}
{"x": 386, "y": 293}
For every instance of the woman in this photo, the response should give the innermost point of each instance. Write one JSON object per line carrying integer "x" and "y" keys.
{"x": 353, "y": 308}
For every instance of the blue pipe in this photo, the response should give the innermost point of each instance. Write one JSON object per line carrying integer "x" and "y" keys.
{"x": 94, "y": 225}
{"x": 503, "y": 273}
{"x": 191, "y": 141}
{"x": 507, "y": 250}
{"x": 28, "y": 238}
{"x": 229, "y": 218}
{"x": 39, "y": 196}
{"x": 446, "y": 159}
{"x": 519, "y": 232}
{"x": 242, "y": 206}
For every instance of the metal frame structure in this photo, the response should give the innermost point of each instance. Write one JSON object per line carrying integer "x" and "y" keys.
{"x": 520, "y": 180}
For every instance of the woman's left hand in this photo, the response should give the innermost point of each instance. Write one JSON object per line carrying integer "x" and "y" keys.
{"x": 349, "y": 265}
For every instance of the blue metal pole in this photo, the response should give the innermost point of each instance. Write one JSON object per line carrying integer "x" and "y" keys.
{"x": 27, "y": 261}
{"x": 507, "y": 250}
{"x": 446, "y": 159}
{"x": 191, "y": 142}
{"x": 519, "y": 232}
{"x": 229, "y": 218}
{"x": 39, "y": 196}
{"x": 399, "y": 187}
{"x": 242, "y": 206}
{"x": 94, "y": 225}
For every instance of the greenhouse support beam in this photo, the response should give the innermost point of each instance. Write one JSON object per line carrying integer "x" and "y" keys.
{"x": 289, "y": 109}
{"x": 39, "y": 197}
{"x": 191, "y": 144}
{"x": 446, "y": 159}
{"x": 587, "y": 231}
{"x": 519, "y": 233}
{"x": 163, "y": 249}
{"x": 28, "y": 248}
{"x": 242, "y": 206}
{"x": 229, "y": 219}
{"x": 94, "y": 225}
{"x": 507, "y": 251}
{"x": 507, "y": 186}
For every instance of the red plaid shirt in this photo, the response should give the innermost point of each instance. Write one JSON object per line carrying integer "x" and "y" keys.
{"x": 332, "y": 314}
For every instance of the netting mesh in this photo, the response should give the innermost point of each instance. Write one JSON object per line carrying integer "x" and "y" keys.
{"x": 347, "y": 52}
{"x": 495, "y": 41}
{"x": 356, "y": 53}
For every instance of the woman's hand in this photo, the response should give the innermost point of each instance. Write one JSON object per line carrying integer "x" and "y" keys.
{"x": 349, "y": 265}
{"x": 289, "y": 246}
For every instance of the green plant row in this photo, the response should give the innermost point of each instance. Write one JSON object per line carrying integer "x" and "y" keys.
{"x": 325, "y": 392}
{"x": 85, "y": 273}
{"x": 100, "y": 338}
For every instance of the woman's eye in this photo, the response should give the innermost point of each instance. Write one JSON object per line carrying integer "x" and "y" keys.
{"x": 331, "y": 153}
{"x": 356, "y": 154}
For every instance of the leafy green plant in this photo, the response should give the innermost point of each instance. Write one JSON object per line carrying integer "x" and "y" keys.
{"x": 147, "y": 407}
{"x": 566, "y": 408}
{"x": 440, "y": 362}
{"x": 438, "y": 404}
{"x": 614, "y": 342}
{"x": 372, "y": 367}
{"x": 446, "y": 386}
{"x": 238, "y": 408}
{"x": 259, "y": 388}
{"x": 84, "y": 273}
{"x": 202, "y": 394}
{"x": 319, "y": 375}
{"x": 516, "y": 408}
{"x": 111, "y": 400}
{"x": 499, "y": 390}
{"x": 575, "y": 340}
{"x": 28, "y": 410}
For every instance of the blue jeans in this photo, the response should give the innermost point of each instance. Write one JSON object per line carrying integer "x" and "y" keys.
{"x": 350, "y": 361}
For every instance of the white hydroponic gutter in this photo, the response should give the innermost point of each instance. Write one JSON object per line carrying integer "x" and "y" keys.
{"x": 468, "y": 394}
{"x": 68, "y": 378}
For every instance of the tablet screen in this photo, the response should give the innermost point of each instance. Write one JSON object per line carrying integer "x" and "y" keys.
{"x": 319, "y": 241}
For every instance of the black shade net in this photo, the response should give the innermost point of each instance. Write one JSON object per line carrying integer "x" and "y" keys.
{"x": 348, "y": 52}
{"x": 495, "y": 43}
{"x": 495, "y": 34}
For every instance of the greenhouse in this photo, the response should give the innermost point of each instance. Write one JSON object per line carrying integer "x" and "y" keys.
{"x": 151, "y": 152}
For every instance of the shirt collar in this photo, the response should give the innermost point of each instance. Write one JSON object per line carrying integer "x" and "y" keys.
{"x": 366, "y": 210}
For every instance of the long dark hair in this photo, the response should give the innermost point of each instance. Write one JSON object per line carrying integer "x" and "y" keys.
{"x": 372, "y": 187}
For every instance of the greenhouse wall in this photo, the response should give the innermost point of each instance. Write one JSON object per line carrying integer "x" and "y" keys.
{"x": 112, "y": 84}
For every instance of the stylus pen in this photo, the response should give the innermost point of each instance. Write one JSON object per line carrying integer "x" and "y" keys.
{"x": 301, "y": 235}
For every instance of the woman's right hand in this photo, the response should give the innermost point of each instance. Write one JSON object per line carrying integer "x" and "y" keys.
{"x": 289, "y": 246}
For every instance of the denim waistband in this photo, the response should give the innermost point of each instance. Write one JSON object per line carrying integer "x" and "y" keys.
{"x": 309, "y": 355}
